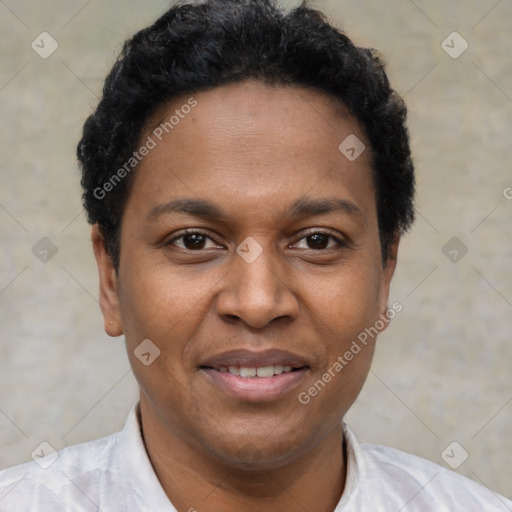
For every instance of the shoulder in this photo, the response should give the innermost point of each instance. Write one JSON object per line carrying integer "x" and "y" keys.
{"x": 111, "y": 473}
{"x": 56, "y": 479}
{"x": 425, "y": 485}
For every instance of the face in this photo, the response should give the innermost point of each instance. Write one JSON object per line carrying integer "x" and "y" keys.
{"x": 249, "y": 241}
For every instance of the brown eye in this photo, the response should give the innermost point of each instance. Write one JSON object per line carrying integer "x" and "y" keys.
{"x": 191, "y": 240}
{"x": 194, "y": 241}
{"x": 320, "y": 241}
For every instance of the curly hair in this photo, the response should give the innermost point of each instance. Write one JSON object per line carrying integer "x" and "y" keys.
{"x": 196, "y": 46}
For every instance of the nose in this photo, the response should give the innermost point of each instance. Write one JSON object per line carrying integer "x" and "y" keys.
{"x": 257, "y": 293}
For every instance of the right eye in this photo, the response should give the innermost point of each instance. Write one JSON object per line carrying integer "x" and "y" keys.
{"x": 192, "y": 240}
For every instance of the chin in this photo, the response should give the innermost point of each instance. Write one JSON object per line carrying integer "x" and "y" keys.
{"x": 261, "y": 452}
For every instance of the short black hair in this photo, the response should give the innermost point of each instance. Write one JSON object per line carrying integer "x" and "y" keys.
{"x": 199, "y": 45}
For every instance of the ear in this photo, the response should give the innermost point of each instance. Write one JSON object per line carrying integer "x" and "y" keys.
{"x": 109, "y": 298}
{"x": 387, "y": 275}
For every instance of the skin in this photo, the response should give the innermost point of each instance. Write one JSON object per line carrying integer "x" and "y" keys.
{"x": 252, "y": 150}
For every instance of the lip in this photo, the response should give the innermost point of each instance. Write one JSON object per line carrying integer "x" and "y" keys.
{"x": 255, "y": 389}
{"x": 251, "y": 359}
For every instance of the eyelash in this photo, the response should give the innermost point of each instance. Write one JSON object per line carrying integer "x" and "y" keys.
{"x": 340, "y": 243}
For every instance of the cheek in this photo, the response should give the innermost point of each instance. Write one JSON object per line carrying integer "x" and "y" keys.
{"x": 152, "y": 297}
{"x": 155, "y": 307}
{"x": 345, "y": 310}
{"x": 345, "y": 313}
{"x": 166, "y": 306}
{"x": 348, "y": 301}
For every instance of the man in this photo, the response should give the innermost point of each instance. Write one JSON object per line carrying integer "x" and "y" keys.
{"x": 248, "y": 177}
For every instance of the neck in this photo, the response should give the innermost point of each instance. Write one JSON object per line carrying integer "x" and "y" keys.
{"x": 195, "y": 480}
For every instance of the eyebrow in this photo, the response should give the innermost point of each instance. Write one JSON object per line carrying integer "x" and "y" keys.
{"x": 301, "y": 208}
{"x": 311, "y": 207}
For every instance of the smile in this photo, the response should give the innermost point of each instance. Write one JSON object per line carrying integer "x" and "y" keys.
{"x": 263, "y": 371}
{"x": 252, "y": 384}
{"x": 255, "y": 376}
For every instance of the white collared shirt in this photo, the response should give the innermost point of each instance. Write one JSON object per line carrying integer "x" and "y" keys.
{"x": 114, "y": 474}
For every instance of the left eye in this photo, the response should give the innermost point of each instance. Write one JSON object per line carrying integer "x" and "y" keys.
{"x": 319, "y": 240}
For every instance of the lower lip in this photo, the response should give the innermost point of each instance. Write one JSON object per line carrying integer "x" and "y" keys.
{"x": 256, "y": 389}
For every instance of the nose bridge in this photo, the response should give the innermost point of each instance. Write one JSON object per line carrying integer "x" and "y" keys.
{"x": 258, "y": 278}
{"x": 256, "y": 290}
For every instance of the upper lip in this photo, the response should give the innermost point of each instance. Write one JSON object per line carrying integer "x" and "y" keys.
{"x": 250, "y": 359}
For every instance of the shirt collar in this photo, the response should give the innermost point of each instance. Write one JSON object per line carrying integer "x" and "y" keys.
{"x": 127, "y": 467}
{"x": 356, "y": 470}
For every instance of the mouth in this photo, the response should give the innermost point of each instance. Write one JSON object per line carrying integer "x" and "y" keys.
{"x": 262, "y": 372}
{"x": 255, "y": 377}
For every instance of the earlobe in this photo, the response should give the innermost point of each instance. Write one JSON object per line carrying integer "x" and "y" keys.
{"x": 109, "y": 297}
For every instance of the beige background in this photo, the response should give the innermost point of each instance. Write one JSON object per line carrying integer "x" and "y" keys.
{"x": 442, "y": 369}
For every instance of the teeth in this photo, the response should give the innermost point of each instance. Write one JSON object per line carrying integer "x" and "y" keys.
{"x": 265, "y": 371}
{"x": 247, "y": 372}
{"x": 262, "y": 371}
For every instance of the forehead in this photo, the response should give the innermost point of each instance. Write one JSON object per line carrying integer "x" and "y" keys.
{"x": 250, "y": 144}
{"x": 251, "y": 108}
